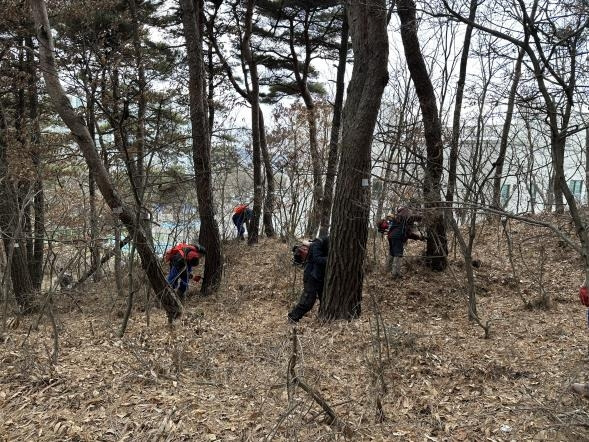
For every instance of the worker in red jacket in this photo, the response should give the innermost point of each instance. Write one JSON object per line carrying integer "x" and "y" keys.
{"x": 182, "y": 258}
{"x": 241, "y": 214}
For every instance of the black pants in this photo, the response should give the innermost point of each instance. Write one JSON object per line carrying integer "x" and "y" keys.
{"x": 313, "y": 289}
{"x": 396, "y": 246}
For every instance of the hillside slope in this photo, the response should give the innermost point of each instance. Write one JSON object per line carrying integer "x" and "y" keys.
{"x": 221, "y": 372}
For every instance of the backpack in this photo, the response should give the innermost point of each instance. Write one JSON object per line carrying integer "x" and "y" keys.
{"x": 240, "y": 209}
{"x": 300, "y": 254}
{"x": 382, "y": 226}
{"x": 182, "y": 249}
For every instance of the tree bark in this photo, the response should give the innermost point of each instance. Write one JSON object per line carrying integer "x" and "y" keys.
{"x": 351, "y": 206}
{"x": 201, "y": 144}
{"x": 36, "y": 264}
{"x": 458, "y": 105}
{"x": 505, "y": 131}
{"x": 253, "y": 226}
{"x": 141, "y": 177}
{"x": 80, "y": 132}
{"x": 93, "y": 215}
{"x": 11, "y": 226}
{"x": 587, "y": 165}
{"x": 332, "y": 159}
{"x": 437, "y": 245}
{"x": 269, "y": 201}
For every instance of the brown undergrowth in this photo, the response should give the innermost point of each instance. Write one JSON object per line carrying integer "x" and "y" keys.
{"x": 413, "y": 368}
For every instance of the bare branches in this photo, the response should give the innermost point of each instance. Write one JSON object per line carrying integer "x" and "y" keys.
{"x": 294, "y": 380}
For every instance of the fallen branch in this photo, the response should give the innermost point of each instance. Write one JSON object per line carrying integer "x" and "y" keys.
{"x": 295, "y": 381}
{"x": 280, "y": 420}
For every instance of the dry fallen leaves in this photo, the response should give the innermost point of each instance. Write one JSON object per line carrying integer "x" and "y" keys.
{"x": 221, "y": 374}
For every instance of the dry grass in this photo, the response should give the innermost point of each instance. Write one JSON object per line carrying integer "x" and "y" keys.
{"x": 220, "y": 374}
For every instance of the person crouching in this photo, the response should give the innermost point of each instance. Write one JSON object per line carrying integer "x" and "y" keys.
{"x": 182, "y": 258}
{"x": 313, "y": 279}
{"x": 400, "y": 230}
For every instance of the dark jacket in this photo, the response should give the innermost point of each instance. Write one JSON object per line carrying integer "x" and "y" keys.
{"x": 317, "y": 259}
{"x": 401, "y": 226}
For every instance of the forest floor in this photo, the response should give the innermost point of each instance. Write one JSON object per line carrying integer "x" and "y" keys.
{"x": 412, "y": 368}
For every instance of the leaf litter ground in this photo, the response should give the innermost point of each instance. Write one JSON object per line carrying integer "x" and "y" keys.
{"x": 221, "y": 372}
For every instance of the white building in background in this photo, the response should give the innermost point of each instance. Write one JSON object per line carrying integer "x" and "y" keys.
{"x": 527, "y": 171}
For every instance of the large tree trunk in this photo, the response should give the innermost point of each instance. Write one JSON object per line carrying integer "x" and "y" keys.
{"x": 269, "y": 201}
{"x": 18, "y": 192}
{"x": 437, "y": 245}
{"x": 201, "y": 144}
{"x": 458, "y": 105}
{"x": 351, "y": 206}
{"x": 82, "y": 136}
{"x": 11, "y": 227}
{"x": 253, "y": 226}
{"x": 36, "y": 264}
{"x": 335, "y": 130}
{"x": 505, "y": 132}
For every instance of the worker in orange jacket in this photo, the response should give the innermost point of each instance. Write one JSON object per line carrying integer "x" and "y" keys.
{"x": 241, "y": 214}
{"x": 182, "y": 258}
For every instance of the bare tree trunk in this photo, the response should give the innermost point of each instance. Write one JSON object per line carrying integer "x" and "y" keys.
{"x": 211, "y": 68}
{"x": 505, "y": 131}
{"x": 458, "y": 105}
{"x": 80, "y": 132}
{"x": 201, "y": 144}
{"x": 11, "y": 225}
{"x": 253, "y": 226}
{"x": 332, "y": 159}
{"x": 351, "y": 207}
{"x": 315, "y": 212}
{"x": 269, "y": 201}
{"x": 437, "y": 245}
{"x": 94, "y": 246}
{"x": 36, "y": 264}
{"x": 140, "y": 178}
{"x": 93, "y": 215}
{"x": 118, "y": 261}
{"x": 17, "y": 191}
{"x": 550, "y": 192}
{"x": 560, "y": 184}
{"x": 587, "y": 164}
